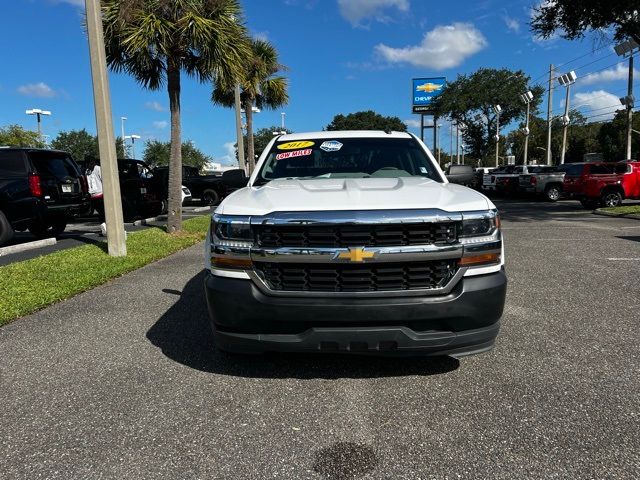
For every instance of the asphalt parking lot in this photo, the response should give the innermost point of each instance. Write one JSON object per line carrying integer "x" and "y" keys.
{"x": 78, "y": 232}
{"x": 122, "y": 381}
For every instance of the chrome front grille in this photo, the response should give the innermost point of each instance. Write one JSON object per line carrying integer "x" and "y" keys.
{"x": 364, "y": 277}
{"x": 341, "y": 236}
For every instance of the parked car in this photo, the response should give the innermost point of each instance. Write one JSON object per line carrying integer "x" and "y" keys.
{"x": 508, "y": 181}
{"x": 461, "y": 174}
{"x": 354, "y": 242}
{"x": 479, "y": 173}
{"x": 545, "y": 181}
{"x": 210, "y": 189}
{"x": 139, "y": 189}
{"x": 40, "y": 190}
{"x": 602, "y": 184}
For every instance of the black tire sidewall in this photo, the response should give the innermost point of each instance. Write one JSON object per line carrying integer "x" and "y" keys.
{"x": 6, "y": 231}
{"x": 213, "y": 195}
{"x": 549, "y": 189}
{"x": 607, "y": 194}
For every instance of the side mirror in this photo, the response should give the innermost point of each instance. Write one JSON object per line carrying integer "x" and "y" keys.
{"x": 461, "y": 174}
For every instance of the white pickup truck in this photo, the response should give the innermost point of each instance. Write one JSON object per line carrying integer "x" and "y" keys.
{"x": 354, "y": 242}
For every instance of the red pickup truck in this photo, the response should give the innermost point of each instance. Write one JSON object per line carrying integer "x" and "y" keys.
{"x": 602, "y": 184}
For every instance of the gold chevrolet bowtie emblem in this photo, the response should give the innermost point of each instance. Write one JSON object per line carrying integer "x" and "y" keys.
{"x": 356, "y": 255}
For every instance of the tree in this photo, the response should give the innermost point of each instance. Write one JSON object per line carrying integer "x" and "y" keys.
{"x": 261, "y": 139}
{"x": 563, "y": 16}
{"x": 81, "y": 144}
{"x": 368, "y": 120}
{"x": 156, "y": 40}
{"x": 16, "y": 136}
{"x": 612, "y": 137}
{"x": 470, "y": 100}
{"x": 259, "y": 87}
{"x": 157, "y": 154}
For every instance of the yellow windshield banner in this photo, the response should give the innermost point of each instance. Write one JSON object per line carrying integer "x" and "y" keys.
{"x": 295, "y": 145}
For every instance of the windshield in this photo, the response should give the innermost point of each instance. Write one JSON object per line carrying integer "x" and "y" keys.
{"x": 347, "y": 158}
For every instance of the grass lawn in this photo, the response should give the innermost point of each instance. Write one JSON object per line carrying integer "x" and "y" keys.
{"x": 33, "y": 284}
{"x": 623, "y": 210}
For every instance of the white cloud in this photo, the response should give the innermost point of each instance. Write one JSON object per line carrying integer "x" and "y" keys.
{"x": 161, "y": 124}
{"x": 599, "y": 104}
{"x": 156, "y": 106}
{"x": 512, "y": 23}
{"x": 620, "y": 72}
{"x": 412, "y": 123}
{"x": 356, "y": 10}
{"x": 230, "y": 157}
{"x": 40, "y": 90}
{"x": 446, "y": 46}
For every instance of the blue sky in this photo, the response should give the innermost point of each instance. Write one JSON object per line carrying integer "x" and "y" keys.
{"x": 343, "y": 56}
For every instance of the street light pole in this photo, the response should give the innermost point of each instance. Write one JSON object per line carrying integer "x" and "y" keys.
{"x": 38, "y": 113}
{"x": 282, "y": 122}
{"x": 439, "y": 147}
{"x": 116, "y": 240}
{"x": 497, "y": 109}
{"x": 457, "y": 144}
{"x": 133, "y": 139}
{"x": 549, "y": 114}
{"x": 526, "y": 98}
{"x": 566, "y": 81}
{"x": 122, "y": 119}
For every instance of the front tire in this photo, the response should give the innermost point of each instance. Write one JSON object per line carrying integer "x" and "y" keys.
{"x": 611, "y": 198}
{"x": 210, "y": 198}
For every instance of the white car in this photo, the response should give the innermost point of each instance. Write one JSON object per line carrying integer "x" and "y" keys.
{"x": 354, "y": 242}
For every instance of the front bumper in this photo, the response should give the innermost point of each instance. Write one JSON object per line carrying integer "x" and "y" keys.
{"x": 462, "y": 322}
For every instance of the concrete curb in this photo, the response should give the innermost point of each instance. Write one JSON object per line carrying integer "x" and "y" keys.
{"x": 23, "y": 247}
{"x": 633, "y": 216}
{"x": 201, "y": 209}
{"x": 145, "y": 221}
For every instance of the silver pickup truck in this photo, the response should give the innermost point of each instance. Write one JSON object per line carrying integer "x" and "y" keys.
{"x": 543, "y": 180}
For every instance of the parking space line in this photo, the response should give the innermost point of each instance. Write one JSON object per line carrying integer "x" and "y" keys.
{"x": 624, "y": 259}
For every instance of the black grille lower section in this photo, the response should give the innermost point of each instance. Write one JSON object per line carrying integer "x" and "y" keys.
{"x": 276, "y": 236}
{"x": 357, "y": 278}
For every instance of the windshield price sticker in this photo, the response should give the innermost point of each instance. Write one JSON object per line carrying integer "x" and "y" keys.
{"x": 297, "y": 153}
{"x": 295, "y": 145}
{"x": 331, "y": 146}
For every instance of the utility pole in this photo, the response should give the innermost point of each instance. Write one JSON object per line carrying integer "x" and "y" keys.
{"x": 457, "y": 144}
{"x": 435, "y": 134}
{"x": 549, "y": 114}
{"x": 439, "y": 147}
{"x": 282, "y": 117}
{"x": 628, "y": 47}
{"x": 566, "y": 81}
{"x": 240, "y": 140}
{"x": 451, "y": 141}
{"x": 630, "y": 102}
{"x": 116, "y": 239}
{"x": 497, "y": 109}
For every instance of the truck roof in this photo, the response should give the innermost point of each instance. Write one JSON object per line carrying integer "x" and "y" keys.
{"x": 292, "y": 137}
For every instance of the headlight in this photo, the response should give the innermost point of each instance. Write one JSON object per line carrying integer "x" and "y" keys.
{"x": 479, "y": 224}
{"x": 231, "y": 231}
{"x": 231, "y": 242}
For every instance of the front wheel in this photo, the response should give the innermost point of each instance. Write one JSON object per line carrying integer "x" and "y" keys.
{"x": 611, "y": 199}
{"x": 552, "y": 193}
{"x": 210, "y": 197}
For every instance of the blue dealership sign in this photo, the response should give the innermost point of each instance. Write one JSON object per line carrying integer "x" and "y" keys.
{"x": 424, "y": 91}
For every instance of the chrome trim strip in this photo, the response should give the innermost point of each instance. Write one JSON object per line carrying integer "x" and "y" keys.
{"x": 357, "y": 217}
{"x": 239, "y": 274}
{"x": 262, "y": 285}
{"x": 413, "y": 253}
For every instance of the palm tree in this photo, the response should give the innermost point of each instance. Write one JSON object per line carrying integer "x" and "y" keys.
{"x": 154, "y": 41}
{"x": 260, "y": 87}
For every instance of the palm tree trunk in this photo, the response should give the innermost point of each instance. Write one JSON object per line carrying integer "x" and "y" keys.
{"x": 248, "y": 105}
{"x": 174, "y": 216}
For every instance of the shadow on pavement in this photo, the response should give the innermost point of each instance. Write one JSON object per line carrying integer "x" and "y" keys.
{"x": 184, "y": 335}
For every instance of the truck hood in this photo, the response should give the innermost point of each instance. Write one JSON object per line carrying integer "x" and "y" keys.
{"x": 352, "y": 194}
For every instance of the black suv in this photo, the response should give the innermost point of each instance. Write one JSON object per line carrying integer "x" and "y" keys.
{"x": 39, "y": 191}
